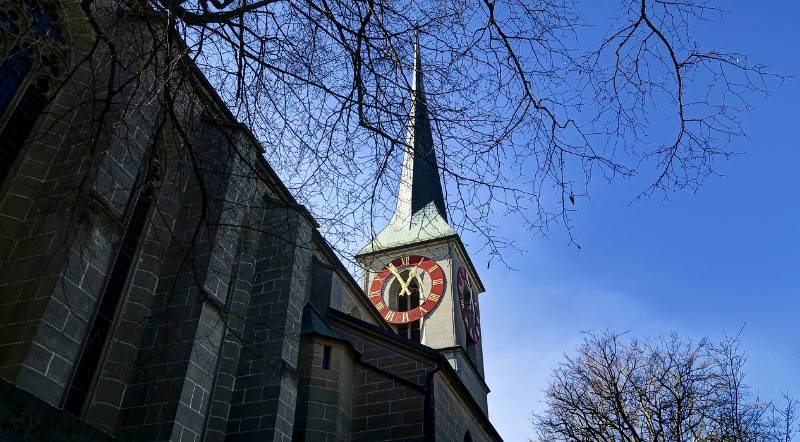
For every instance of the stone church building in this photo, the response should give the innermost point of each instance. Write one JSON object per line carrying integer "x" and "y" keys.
{"x": 151, "y": 291}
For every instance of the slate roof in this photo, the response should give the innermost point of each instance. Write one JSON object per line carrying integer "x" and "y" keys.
{"x": 314, "y": 324}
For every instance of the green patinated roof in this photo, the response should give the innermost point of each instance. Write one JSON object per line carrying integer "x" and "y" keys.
{"x": 420, "y": 214}
{"x": 423, "y": 225}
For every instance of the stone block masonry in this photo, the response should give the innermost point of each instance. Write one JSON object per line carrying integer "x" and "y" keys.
{"x": 155, "y": 273}
{"x": 265, "y": 389}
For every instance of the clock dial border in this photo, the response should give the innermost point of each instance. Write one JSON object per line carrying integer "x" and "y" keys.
{"x": 473, "y": 328}
{"x": 432, "y": 299}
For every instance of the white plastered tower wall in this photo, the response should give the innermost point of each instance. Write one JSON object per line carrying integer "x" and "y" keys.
{"x": 443, "y": 328}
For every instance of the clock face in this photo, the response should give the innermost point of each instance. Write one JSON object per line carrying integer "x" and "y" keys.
{"x": 468, "y": 298}
{"x": 416, "y": 278}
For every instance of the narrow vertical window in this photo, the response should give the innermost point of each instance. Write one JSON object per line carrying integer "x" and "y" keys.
{"x": 20, "y": 122}
{"x": 12, "y": 73}
{"x": 18, "y": 126}
{"x": 326, "y": 357}
{"x": 25, "y": 75}
{"x": 101, "y": 325}
{"x": 410, "y": 330}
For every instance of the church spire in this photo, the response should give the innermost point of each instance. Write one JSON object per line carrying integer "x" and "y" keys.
{"x": 420, "y": 185}
{"x": 420, "y": 214}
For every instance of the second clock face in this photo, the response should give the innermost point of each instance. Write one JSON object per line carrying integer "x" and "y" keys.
{"x": 468, "y": 299}
{"x": 416, "y": 282}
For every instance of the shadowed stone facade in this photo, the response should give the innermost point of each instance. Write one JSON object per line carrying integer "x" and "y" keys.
{"x": 158, "y": 281}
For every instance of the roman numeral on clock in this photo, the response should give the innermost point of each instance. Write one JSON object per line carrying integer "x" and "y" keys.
{"x": 411, "y": 272}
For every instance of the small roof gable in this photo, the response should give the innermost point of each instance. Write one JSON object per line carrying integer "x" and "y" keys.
{"x": 314, "y": 324}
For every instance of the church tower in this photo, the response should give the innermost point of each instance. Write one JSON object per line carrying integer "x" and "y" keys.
{"x": 418, "y": 274}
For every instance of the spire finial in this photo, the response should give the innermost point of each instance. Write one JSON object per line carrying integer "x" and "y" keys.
{"x": 416, "y": 81}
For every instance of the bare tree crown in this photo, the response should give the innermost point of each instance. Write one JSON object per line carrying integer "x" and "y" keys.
{"x": 523, "y": 119}
{"x": 668, "y": 389}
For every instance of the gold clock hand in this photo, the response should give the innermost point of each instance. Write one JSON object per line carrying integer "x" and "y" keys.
{"x": 394, "y": 271}
{"x": 399, "y": 277}
{"x": 411, "y": 273}
{"x": 404, "y": 289}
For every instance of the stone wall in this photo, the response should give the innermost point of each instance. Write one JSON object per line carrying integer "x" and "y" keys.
{"x": 385, "y": 408}
{"x": 469, "y": 375}
{"x": 324, "y": 401}
{"x": 265, "y": 388}
{"x": 389, "y": 387}
{"x": 45, "y": 310}
{"x": 62, "y": 218}
{"x": 204, "y": 342}
{"x": 454, "y": 417}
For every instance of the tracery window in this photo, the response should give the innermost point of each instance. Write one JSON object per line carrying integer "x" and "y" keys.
{"x": 33, "y": 59}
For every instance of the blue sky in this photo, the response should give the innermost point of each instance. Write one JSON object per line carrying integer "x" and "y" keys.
{"x": 700, "y": 264}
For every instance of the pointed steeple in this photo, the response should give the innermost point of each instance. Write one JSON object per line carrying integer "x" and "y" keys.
{"x": 420, "y": 184}
{"x": 420, "y": 214}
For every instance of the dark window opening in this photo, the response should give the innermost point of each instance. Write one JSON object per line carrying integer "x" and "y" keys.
{"x": 18, "y": 127}
{"x": 20, "y": 122}
{"x": 406, "y": 303}
{"x": 17, "y": 120}
{"x": 467, "y": 437}
{"x": 101, "y": 325}
{"x": 326, "y": 357}
{"x": 12, "y": 72}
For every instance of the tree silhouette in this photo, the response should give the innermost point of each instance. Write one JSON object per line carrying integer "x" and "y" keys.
{"x": 667, "y": 389}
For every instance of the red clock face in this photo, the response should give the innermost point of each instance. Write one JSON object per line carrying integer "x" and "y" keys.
{"x": 468, "y": 298}
{"x": 413, "y": 276}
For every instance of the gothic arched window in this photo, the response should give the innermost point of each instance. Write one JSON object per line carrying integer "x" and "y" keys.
{"x": 33, "y": 56}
